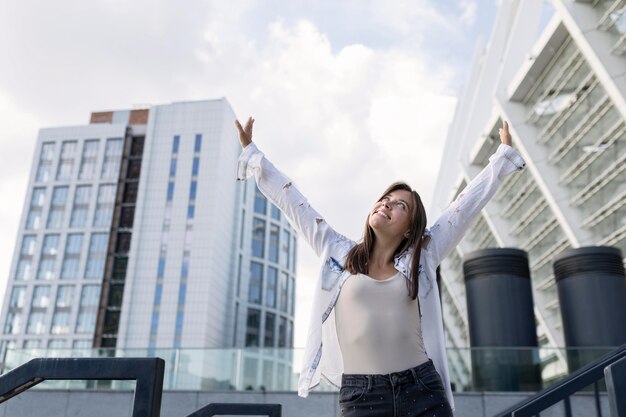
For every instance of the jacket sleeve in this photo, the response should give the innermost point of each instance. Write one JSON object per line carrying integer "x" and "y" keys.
{"x": 281, "y": 191}
{"x": 450, "y": 227}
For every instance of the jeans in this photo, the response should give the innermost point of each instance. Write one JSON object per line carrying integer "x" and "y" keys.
{"x": 416, "y": 392}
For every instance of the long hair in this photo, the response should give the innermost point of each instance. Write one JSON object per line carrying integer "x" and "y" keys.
{"x": 357, "y": 260}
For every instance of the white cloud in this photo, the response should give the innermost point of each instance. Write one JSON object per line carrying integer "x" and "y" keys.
{"x": 343, "y": 122}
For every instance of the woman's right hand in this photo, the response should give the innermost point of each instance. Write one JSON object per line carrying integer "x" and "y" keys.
{"x": 245, "y": 133}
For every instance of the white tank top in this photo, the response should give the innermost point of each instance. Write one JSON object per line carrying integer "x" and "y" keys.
{"x": 378, "y": 326}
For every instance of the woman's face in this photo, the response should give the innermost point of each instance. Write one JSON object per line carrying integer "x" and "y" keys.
{"x": 391, "y": 216}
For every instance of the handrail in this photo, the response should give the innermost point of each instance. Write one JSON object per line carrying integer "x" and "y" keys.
{"x": 615, "y": 375}
{"x": 237, "y": 409}
{"x": 148, "y": 372}
{"x": 562, "y": 390}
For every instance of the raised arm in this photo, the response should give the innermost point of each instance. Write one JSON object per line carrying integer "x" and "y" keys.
{"x": 281, "y": 191}
{"x": 449, "y": 228}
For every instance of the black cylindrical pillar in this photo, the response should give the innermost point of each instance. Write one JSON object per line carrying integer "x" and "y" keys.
{"x": 502, "y": 326}
{"x": 592, "y": 295}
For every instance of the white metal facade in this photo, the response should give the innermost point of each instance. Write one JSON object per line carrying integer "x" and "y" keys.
{"x": 557, "y": 72}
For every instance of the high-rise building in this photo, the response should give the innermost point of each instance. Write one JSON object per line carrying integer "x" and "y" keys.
{"x": 136, "y": 234}
{"x": 557, "y": 72}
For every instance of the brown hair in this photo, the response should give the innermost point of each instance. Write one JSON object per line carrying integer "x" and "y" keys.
{"x": 358, "y": 257}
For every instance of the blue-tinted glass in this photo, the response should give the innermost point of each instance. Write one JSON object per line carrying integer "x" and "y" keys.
{"x": 173, "y": 167}
{"x": 275, "y": 212}
{"x": 184, "y": 270}
{"x": 198, "y": 144}
{"x": 179, "y": 322}
{"x": 182, "y": 294}
{"x": 258, "y": 238}
{"x": 161, "y": 269}
{"x": 157, "y": 294}
{"x": 270, "y": 291}
{"x": 175, "y": 144}
{"x": 170, "y": 191}
{"x": 260, "y": 203}
{"x": 191, "y": 210}
{"x": 256, "y": 282}
{"x": 196, "y": 167}
{"x": 193, "y": 187}
{"x": 155, "y": 323}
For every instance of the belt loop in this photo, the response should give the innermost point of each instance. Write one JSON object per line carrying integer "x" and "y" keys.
{"x": 414, "y": 372}
{"x": 369, "y": 383}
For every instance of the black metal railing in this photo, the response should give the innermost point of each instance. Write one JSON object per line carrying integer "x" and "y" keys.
{"x": 561, "y": 391}
{"x": 615, "y": 375}
{"x": 147, "y": 372}
{"x": 235, "y": 409}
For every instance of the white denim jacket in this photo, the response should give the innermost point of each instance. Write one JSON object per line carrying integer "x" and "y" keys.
{"x": 322, "y": 357}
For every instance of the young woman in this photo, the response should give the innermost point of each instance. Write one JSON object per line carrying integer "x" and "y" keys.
{"x": 376, "y": 329}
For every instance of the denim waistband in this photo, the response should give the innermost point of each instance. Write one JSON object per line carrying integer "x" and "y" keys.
{"x": 407, "y": 376}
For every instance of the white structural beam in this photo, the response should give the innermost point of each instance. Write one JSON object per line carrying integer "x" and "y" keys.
{"x": 581, "y": 21}
{"x": 545, "y": 175}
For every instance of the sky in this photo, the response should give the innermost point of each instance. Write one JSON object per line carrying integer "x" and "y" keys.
{"x": 348, "y": 96}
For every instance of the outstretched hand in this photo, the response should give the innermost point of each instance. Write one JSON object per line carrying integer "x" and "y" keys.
{"x": 245, "y": 133}
{"x": 505, "y": 136}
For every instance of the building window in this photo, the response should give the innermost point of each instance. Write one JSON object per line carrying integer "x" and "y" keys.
{"x": 197, "y": 143}
{"x": 122, "y": 246}
{"x": 284, "y": 248}
{"x": 12, "y": 325}
{"x": 258, "y": 238}
{"x": 270, "y": 291}
{"x": 66, "y": 163}
{"x": 270, "y": 324}
{"x": 60, "y": 323}
{"x": 175, "y": 144}
{"x": 46, "y": 157}
{"x": 136, "y": 146}
{"x": 89, "y": 159}
{"x": 32, "y": 344}
{"x": 173, "y": 162}
{"x": 56, "y": 344}
{"x": 170, "y": 191}
{"x": 256, "y": 282}
{"x": 71, "y": 259}
{"x": 282, "y": 333}
{"x": 274, "y": 212}
{"x": 57, "y": 208}
{"x": 195, "y": 168}
{"x": 36, "y": 323}
{"x": 120, "y": 264}
{"x": 127, "y": 217}
{"x": 260, "y": 202}
{"x": 253, "y": 324}
{"x": 116, "y": 295}
{"x": 292, "y": 295}
{"x": 33, "y": 221}
{"x": 89, "y": 301}
{"x": 284, "y": 279}
{"x": 25, "y": 262}
{"x": 273, "y": 244}
{"x": 82, "y": 344}
{"x": 134, "y": 169}
{"x": 112, "y": 158}
{"x": 130, "y": 192}
{"x": 47, "y": 261}
{"x": 18, "y": 297}
{"x": 104, "y": 206}
{"x": 81, "y": 206}
{"x": 65, "y": 295}
{"x": 96, "y": 255}
{"x": 41, "y": 297}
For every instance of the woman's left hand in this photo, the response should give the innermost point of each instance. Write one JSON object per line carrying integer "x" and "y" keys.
{"x": 505, "y": 136}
